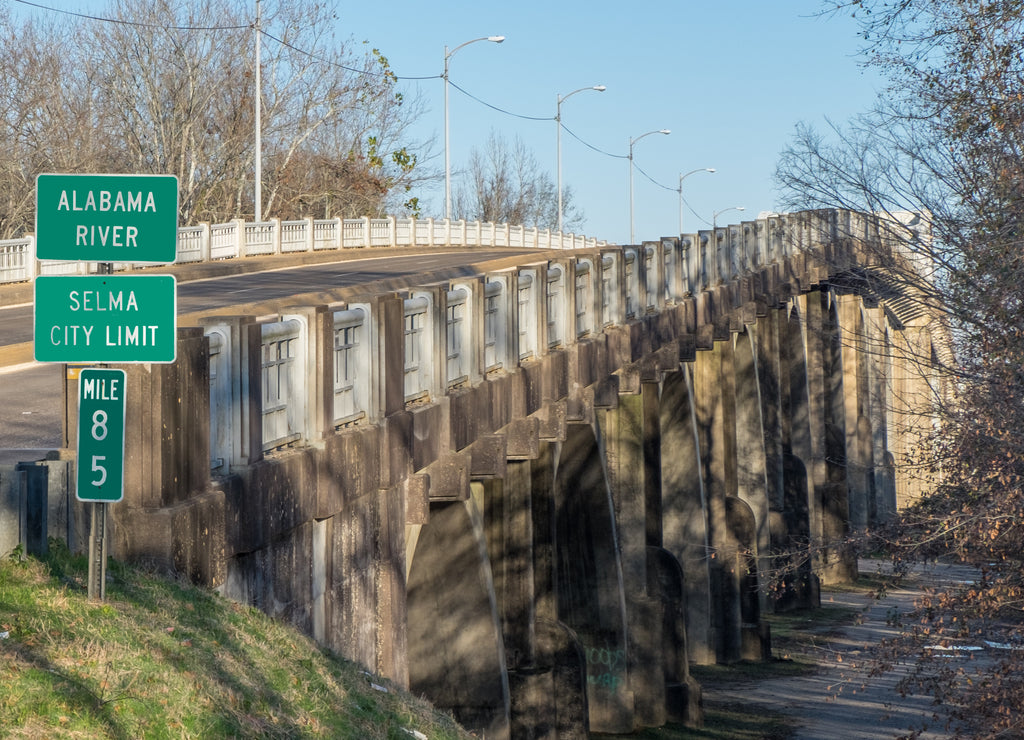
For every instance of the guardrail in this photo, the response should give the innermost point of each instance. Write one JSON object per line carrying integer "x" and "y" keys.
{"x": 235, "y": 239}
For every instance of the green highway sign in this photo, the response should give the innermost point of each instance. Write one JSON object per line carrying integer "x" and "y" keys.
{"x": 101, "y": 403}
{"x": 107, "y": 218}
{"x": 105, "y": 318}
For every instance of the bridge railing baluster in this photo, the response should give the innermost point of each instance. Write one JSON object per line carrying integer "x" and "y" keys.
{"x": 555, "y": 304}
{"x": 496, "y": 324}
{"x": 459, "y": 350}
{"x": 527, "y": 302}
{"x": 294, "y": 236}
{"x": 649, "y": 283}
{"x": 418, "y": 366}
{"x": 669, "y": 271}
{"x": 326, "y": 233}
{"x": 610, "y": 300}
{"x": 190, "y": 246}
{"x": 352, "y": 367}
{"x": 284, "y": 408}
{"x": 632, "y": 280}
{"x": 584, "y": 298}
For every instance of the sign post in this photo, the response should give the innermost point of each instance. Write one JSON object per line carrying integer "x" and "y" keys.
{"x": 100, "y": 468}
{"x": 105, "y": 318}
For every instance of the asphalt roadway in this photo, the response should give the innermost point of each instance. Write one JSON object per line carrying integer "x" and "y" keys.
{"x": 31, "y": 396}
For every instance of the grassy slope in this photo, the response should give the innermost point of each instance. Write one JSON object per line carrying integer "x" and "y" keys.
{"x": 162, "y": 659}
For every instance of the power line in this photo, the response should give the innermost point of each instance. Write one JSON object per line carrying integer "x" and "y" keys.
{"x": 321, "y": 59}
{"x": 655, "y": 182}
{"x": 694, "y": 213}
{"x": 591, "y": 146}
{"x": 500, "y": 110}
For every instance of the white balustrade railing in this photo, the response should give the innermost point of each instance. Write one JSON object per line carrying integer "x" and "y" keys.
{"x": 708, "y": 258}
{"x": 236, "y": 239}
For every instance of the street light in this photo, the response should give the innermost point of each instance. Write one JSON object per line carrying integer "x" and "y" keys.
{"x": 716, "y": 214}
{"x": 447, "y": 160}
{"x": 258, "y": 124}
{"x": 631, "y": 143}
{"x": 558, "y": 125}
{"x": 681, "y": 178}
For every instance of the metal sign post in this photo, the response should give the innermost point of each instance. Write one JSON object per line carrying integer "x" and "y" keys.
{"x": 100, "y": 459}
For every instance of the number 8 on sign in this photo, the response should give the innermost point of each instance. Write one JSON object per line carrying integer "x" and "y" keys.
{"x": 101, "y": 403}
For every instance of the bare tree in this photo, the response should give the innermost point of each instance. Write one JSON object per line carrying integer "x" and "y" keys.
{"x": 168, "y": 86}
{"x": 504, "y": 184}
{"x": 946, "y": 142}
{"x": 47, "y": 115}
{"x": 178, "y": 99}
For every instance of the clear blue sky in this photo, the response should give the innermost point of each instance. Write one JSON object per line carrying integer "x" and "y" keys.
{"x": 731, "y": 79}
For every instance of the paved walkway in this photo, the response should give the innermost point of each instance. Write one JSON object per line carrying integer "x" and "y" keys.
{"x": 841, "y": 702}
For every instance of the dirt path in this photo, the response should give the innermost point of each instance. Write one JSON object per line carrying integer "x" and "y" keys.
{"x": 840, "y": 701}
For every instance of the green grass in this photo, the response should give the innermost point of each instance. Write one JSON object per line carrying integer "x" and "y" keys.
{"x": 161, "y": 659}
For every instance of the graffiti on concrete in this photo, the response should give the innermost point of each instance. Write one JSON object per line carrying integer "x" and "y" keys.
{"x": 606, "y": 667}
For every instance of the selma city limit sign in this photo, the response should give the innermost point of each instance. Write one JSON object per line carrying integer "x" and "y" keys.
{"x": 105, "y": 318}
{"x": 107, "y": 218}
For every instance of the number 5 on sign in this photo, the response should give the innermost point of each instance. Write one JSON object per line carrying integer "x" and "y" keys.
{"x": 101, "y": 393}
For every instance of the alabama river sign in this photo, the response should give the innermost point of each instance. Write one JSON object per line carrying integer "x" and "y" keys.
{"x": 107, "y": 218}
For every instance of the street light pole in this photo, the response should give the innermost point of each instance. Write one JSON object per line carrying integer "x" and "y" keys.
{"x": 631, "y": 143}
{"x": 558, "y": 126}
{"x": 716, "y": 214}
{"x": 447, "y": 157}
{"x": 681, "y": 178}
{"x": 258, "y": 174}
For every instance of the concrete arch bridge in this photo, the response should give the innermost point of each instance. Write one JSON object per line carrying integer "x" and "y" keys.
{"x": 537, "y": 492}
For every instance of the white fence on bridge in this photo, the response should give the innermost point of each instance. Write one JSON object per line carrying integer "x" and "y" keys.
{"x": 207, "y": 242}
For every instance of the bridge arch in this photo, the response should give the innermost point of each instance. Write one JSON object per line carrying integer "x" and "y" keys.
{"x": 751, "y": 471}
{"x": 684, "y": 508}
{"x": 588, "y": 575}
{"x": 455, "y": 649}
